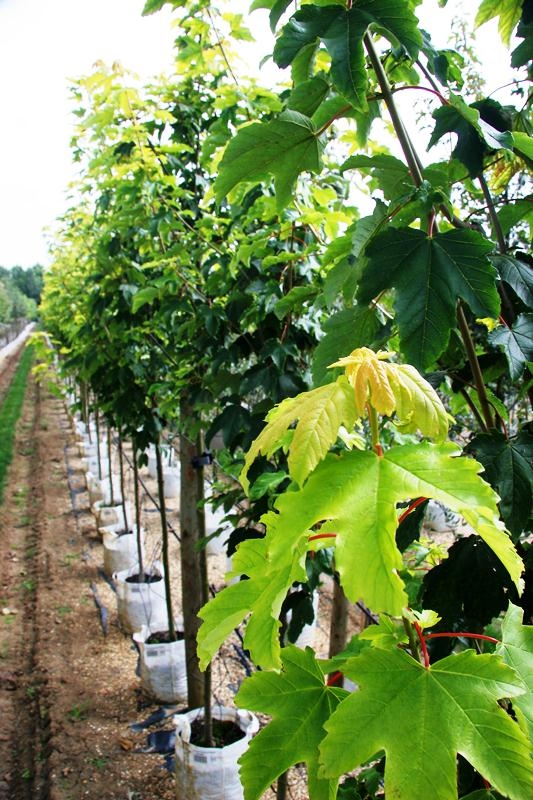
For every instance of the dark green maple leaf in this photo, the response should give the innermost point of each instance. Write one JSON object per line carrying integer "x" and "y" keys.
{"x": 509, "y": 471}
{"x": 516, "y": 342}
{"x": 300, "y": 702}
{"x": 429, "y": 275}
{"x": 423, "y": 718}
{"x": 342, "y": 31}
{"x": 518, "y": 274}
{"x": 480, "y": 127}
{"x": 284, "y": 147}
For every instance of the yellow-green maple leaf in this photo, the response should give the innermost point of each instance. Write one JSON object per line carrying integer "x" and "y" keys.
{"x": 370, "y": 379}
{"x": 399, "y": 388}
{"x": 320, "y": 413}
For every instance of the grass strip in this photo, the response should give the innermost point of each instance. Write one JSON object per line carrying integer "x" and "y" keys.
{"x": 10, "y": 412}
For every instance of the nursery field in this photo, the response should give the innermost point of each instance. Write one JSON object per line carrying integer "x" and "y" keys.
{"x": 69, "y": 693}
{"x": 287, "y": 324}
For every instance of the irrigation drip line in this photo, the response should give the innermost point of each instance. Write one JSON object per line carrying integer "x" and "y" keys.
{"x": 372, "y": 618}
{"x": 103, "y": 612}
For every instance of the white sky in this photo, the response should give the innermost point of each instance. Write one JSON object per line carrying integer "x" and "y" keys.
{"x": 43, "y": 43}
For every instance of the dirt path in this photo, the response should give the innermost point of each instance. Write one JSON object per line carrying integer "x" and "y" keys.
{"x": 67, "y": 692}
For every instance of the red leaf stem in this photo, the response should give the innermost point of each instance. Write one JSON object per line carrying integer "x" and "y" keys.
{"x": 411, "y": 507}
{"x": 335, "y": 679}
{"x": 422, "y": 641}
{"x": 423, "y": 89}
{"x": 464, "y": 635}
{"x": 322, "y": 536}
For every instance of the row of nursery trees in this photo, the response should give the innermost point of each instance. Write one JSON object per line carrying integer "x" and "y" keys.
{"x": 215, "y": 275}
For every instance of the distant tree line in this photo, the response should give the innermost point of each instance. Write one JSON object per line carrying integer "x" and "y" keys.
{"x": 20, "y": 293}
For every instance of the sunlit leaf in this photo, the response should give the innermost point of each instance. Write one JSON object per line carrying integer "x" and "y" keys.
{"x": 399, "y": 388}
{"x": 457, "y": 711}
{"x": 320, "y": 413}
{"x": 516, "y": 650}
{"x": 299, "y": 702}
{"x": 283, "y": 147}
{"x": 507, "y": 11}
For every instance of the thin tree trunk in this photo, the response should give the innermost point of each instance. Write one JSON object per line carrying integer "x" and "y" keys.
{"x": 83, "y": 403}
{"x": 122, "y": 486}
{"x": 164, "y": 535}
{"x": 338, "y": 628}
{"x": 193, "y": 560}
{"x": 109, "y": 453}
{"x": 281, "y": 786}
{"x": 138, "y": 516}
{"x": 98, "y": 452}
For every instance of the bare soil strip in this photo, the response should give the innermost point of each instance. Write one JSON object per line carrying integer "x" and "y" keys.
{"x": 24, "y": 723}
{"x": 68, "y": 691}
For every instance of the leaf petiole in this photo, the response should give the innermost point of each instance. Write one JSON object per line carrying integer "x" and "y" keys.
{"x": 462, "y": 635}
{"x": 374, "y": 429}
{"x": 423, "y": 646}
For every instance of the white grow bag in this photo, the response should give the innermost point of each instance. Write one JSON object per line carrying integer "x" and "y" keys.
{"x": 94, "y": 487}
{"x": 111, "y": 517}
{"x": 93, "y": 466}
{"x": 140, "y": 604}
{"x": 172, "y": 482}
{"x": 211, "y": 773}
{"x": 120, "y": 550}
{"x": 213, "y": 521}
{"x": 106, "y": 490}
{"x": 167, "y": 459}
{"x": 163, "y": 666}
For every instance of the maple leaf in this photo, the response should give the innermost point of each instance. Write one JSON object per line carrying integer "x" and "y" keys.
{"x": 509, "y": 470}
{"x": 355, "y": 495}
{"x": 268, "y": 580}
{"x": 320, "y": 413}
{"x": 395, "y": 387}
{"x": 516, "y": 342}
{"x": 300, "y": 702}
{"x": 423, "y": 718}
{"x": 388, "y": 387}
{"x": 518, "y": 274}
{"x": 516, "y": 650}
{"x": 283, "y": 147}
{"x": 351, "y": 498}
{"x": 507, "y": 11}
{"x": 448, "y": 266}
{"x": 342, "y": 31}
{"x": 480, "y": 127}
